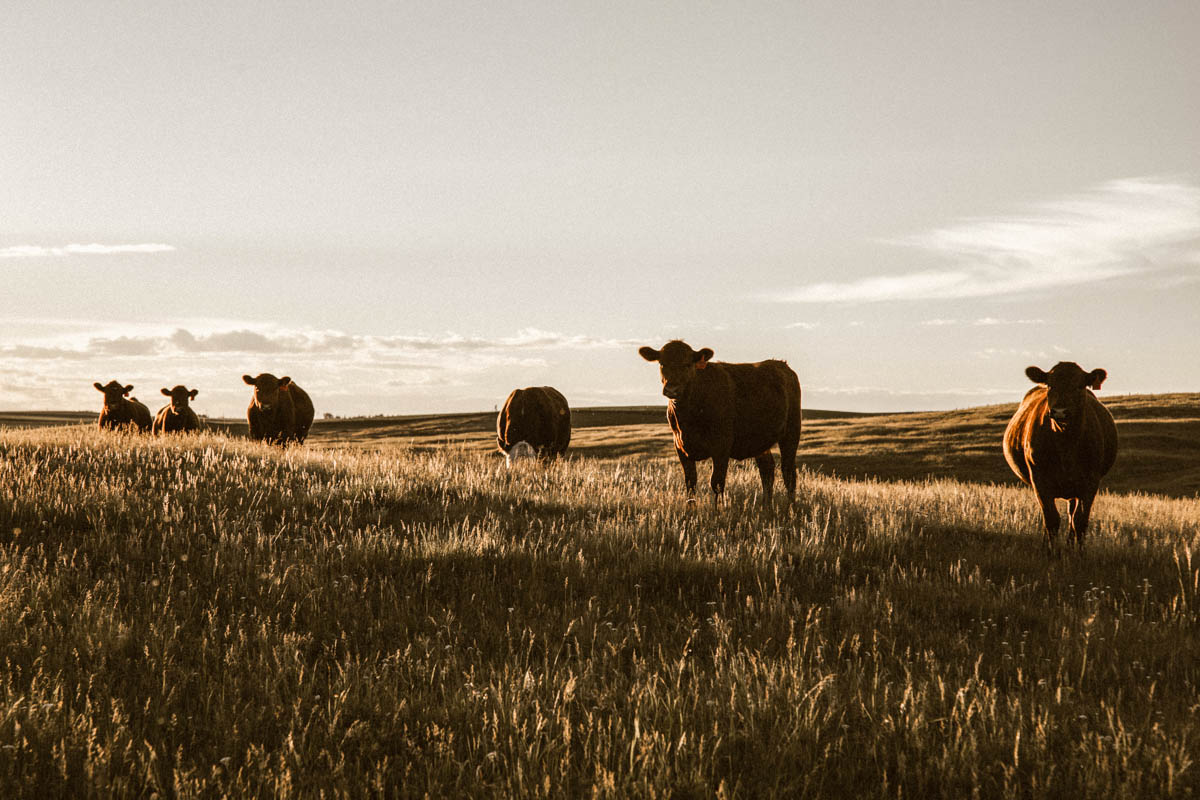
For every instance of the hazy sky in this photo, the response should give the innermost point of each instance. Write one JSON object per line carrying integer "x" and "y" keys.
{"x": 414, "y": 207}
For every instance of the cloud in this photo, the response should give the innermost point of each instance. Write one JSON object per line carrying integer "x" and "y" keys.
{"x": 427, "y": 349}
{"x": 1119, "y": 229}
{"x": 804, "y": 326}
{"x": 525, "y": 339}
{"x": 981, "y": 322}
{"x": 39, "y": 251}
{"x": 347, "y": 372}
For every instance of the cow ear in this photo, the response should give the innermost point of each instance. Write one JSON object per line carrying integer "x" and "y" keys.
{"x": 192, "y": 394}
{"x": 166, "y": 391}
{"x": 248, "y": 380}
{"x": 99, "y": 388}
{"x": 1096, "y": 377}
{"x": 284, "y": 382}
{"x": 1036, "y": 375}
{"x": 703, "y": 356}
{"x": 648, "y": 353}
{"x": 129, "y": 388}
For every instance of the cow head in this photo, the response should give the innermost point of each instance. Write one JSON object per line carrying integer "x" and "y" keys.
{"x": 677, "y": 366}
{"x": 521, "y": 451}
{"x": 180, "y": 397}
{"x": 267, "y": 388}
{"x": 113, "y": 392}
{"x": 1067, "y": 386}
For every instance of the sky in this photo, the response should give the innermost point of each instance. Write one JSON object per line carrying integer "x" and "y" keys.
{"x": 417, "y": 207}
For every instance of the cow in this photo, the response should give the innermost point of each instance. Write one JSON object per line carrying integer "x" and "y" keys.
{"x": 1061, "y": 442}
{"x": 538, "y": 416}
{"x": 722, "y": 410}
{"x": 280, "y": 411}
{"x": 119, "y": 411}
{"x": 177, "y": 416}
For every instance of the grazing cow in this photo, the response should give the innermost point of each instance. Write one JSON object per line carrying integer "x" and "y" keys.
{"x": 119, "y": 411}
{"x": 538, "y": 416}
{"x": 723, "y": 411}
{"x": 177, "y": 416}
{"x": 1061, "y": 442}
{"x": 280, "y": 411}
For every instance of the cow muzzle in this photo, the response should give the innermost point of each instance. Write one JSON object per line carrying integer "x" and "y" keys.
{"x": 1060, "y": 416}
{"x": 672, "y": 392}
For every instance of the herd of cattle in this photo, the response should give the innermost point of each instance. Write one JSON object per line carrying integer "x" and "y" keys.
{"x": 1060, "y": 442}
{"x": 280, "y": 412}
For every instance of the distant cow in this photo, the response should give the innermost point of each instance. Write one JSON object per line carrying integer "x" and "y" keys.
{"x": 177, "y": 416}
{"x": 1061, "y": 442}
{"x": 280, "y": 411}
{"x": 538, "y": 416}
{"x": 118, "y": 410}
{"x": 723, "y": 411}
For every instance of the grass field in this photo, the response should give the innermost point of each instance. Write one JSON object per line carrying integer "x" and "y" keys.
{"x": 393, "y": 614}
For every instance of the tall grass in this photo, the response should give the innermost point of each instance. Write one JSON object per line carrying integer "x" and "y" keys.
{"x": 201, "y": 616}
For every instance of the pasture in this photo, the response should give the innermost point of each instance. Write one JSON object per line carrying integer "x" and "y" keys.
{"x": 387, "y": 611}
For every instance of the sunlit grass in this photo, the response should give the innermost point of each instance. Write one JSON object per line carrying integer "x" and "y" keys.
{"x": 202, "y": 615}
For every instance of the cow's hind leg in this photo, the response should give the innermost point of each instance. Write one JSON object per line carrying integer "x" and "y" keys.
{"x": 766, "y": 471}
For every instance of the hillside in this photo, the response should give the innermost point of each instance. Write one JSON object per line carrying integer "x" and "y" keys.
{"x": 1159, "y": 435}
{"x": 205, "y": 616}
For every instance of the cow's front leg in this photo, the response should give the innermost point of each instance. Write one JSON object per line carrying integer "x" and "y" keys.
{"x": 720, "y": 468}
{"x": 689, "y": 473}
{"x": 1050, "y": 516}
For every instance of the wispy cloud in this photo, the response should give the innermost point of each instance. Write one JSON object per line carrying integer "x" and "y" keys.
{"x": 40, "y": 251}
{"x": 981, "y": 322}
{"x": 1119, "y": 229}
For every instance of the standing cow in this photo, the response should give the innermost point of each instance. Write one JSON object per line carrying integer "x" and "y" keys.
{"x": 280, "y": 411}
{"x": 537, "y": 416}
{"x": 723, "y": 411}
{"x": 1061, "y": 442}
{"x": 177, "y": 416}
{"x": 119, "y": 411}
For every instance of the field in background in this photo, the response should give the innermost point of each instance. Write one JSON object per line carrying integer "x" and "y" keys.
{"x": 202, "y": 616}
{"x": 1159, "y": 439}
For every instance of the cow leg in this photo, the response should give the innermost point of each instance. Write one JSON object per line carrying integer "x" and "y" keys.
{"x": 1072, "y": 515}
{"x": 1050, "y": 515}
{"x": 689, "y": 473}
{"x": 1081, "y": 510}
{"x": 720, "y": 468}
{"x": 766, "y": 471}
{"x": 787, "y": 464}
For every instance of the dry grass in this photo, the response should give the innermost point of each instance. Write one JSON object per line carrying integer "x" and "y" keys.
{"x": 202, "y": 616}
